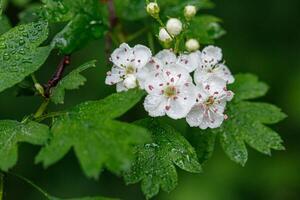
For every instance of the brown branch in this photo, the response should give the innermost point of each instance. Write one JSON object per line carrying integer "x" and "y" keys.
{"x": 57, "y": 76}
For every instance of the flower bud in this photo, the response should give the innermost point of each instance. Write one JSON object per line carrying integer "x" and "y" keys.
{"x": 192, "y": 45}
{"x": 174, "y": 26}
{"x": 164, "y": 35}
{"x": 190, "y": 11}
{"x": 153, "y": 9}
{"x": 130, "y": 82}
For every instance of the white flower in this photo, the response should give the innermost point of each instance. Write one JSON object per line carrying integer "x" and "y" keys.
{"x": 210, "y": 66}
{"x": 208, "y": 112}
{"x": 164, "y": 35}
{"x": 192, "y": 45}
{"x": 153, "y": 9}
{"x": 190, "y": 11}
{"x": 174, "y": 26}
{"x": 170, "y": 92}
{"x": 127, "y": 62}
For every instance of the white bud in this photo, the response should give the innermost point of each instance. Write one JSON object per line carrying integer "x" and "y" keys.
{"x": 164, "y": 35}
{"x": 174, "y": 26}
{"x": 190, "y": 11}
{"x": 130, "y": 81}
{"x": 153, "y": 9}
{"x": 192, "y": 45}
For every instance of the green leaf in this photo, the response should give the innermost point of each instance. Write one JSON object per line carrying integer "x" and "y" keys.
{"x": 12, "y": 133}
{"x": 2, "y": 6}
{"x": 84, "y": 21}
{"x": 206, "y": 29}
{"x": 72, "y": 81}
{"x": 83, "y": 198}
{"x": 4, "y": 24}
{"x": 155, "y": 162}
{"x": 204, "y": 143}
{"x": 98, "y": 140}
{"x": 247, "y": 87}
{"x": 20, "y": 54}
{"x": 247, "y": 121}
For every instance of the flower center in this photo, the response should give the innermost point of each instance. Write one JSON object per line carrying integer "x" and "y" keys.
{"x": 170, "y": 91}
{"x": 130, "y": 70}
{"x": 210, "y": 101}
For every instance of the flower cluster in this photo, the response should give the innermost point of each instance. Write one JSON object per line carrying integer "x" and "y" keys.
{"x": 167, "y": 78}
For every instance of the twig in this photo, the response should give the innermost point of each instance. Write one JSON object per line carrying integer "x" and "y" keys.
{"x": 57, "y": 76}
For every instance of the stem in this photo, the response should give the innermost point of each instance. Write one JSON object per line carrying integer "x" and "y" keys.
{"x": 1, "y": 185}
{"x": 57, "y": 76}
{"x": 164, "y": 26}
{"x": 136, "y": 34}
{"x": 35, "y": 81}
{"x": 41, "y": 109}
{"x": 31, "y": 184}
{"x": 48, "y": 115}
{"x": 151, "y": 41}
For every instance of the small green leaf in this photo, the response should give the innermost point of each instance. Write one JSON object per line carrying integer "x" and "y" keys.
{"x": 4, "y": 24}
{"x": 246, "y": 123}
{"x": 84, "y": 21}
{"x": 155, "y": 162}
{"x": 98, "y": 140}
{"x": 206, "y": 29}
{"x": 72, "y": 81}
{"x": 20, "y": 54}
{"x": 12, "y": 133}
{"x": 247, "y": 86}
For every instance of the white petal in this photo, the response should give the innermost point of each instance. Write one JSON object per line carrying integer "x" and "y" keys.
{"x": 201, "y": 75}
{"x": 115, "y": 75}
{"x": 142, "y": 55}
{"x": 215, "y": 86}
{"x": 155, "y": 84}
{"x": 153, "y": 67}
{"x": 195, "y": 116}
{"x": 155, "y": 105}
{"x": 211, "y": 55}
{"x": 212, "y": 120}
{"x": 190, "y": 61}
{"x": 130, "y": 81}
{"x": 122, "y": 56}
{"x": 223, "y": 72}
{"x": 121, "y": 87}
{"x": 176, "y": 75}
{"x": 166, "y": 56}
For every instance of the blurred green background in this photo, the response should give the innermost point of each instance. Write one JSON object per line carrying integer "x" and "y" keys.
{"x": 263, "y": 38}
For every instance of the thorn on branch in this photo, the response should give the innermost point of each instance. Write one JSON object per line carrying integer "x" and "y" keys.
{"x": 57, "y": 76}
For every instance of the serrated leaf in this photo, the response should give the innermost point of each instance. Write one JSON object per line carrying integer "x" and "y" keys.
{"x": 72, "y": 81}
{"x": 84, "y": 21}
{"x": 4, "y": 24}
{"x": 20, "y": 54}
{"x": 206, "y": 29}
{"x": 204, "y": 143}
{"x": 156, "y": 161}
{"x": 98, "y": 140}
{"x": 247, "y": 121}
{"x": 247, "y": 87}
{"x": 12, "y": 133}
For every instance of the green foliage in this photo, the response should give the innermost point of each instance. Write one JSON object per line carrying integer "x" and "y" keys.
{"x": 98, "y": 139}
{"x": 2, "y": 5}
{"x": 4, "y": 24}
{"x": 247, "y": 119}
{"x": 155, "y": 162}
{"x": 83, "y": 198}
{"x": 72, "y": 81}
{"x": 20, "y": 52}
{"x": 83, "y": 18}
{"x": 12, "y": 133}
{"x": 206, "y": 29}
